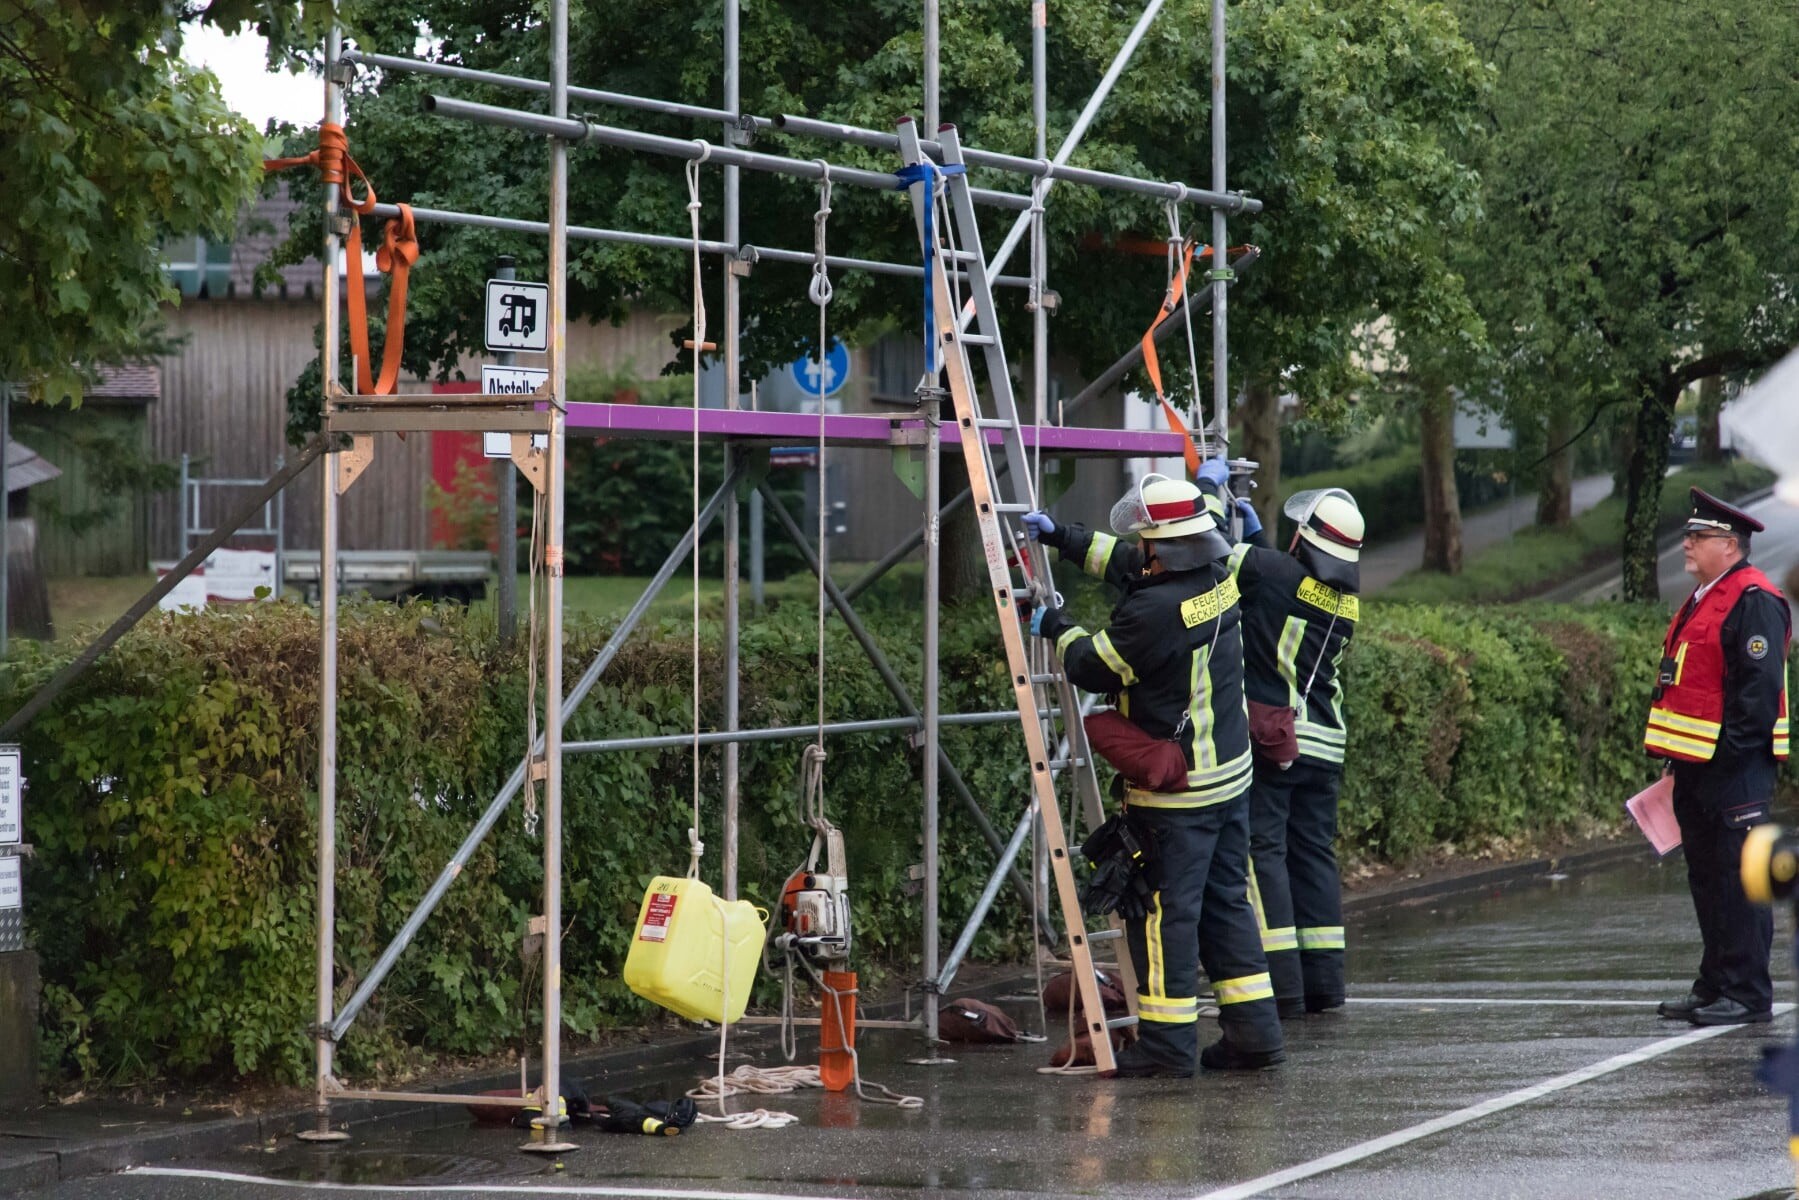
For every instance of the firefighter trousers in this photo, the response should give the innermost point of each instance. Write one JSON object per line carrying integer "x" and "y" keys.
{"x": 1201, "y": 915}
{"x": 1738, "y": 935}
{"x": 1297, "y": 892}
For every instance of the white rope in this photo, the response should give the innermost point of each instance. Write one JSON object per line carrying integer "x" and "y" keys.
{"x": 696, "y": 848}
{"x": 820, "y": 293}
{"x": 1195, "y": 410}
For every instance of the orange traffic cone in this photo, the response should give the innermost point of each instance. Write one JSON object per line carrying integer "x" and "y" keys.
{"x": 837, "y": 1032}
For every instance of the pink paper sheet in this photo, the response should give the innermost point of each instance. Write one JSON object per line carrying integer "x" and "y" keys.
{"x": 1653, "y": 810}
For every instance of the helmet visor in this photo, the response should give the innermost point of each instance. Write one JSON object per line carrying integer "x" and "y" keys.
{"x": 1301, "y": 505}
{"x": 1131, "y": 515}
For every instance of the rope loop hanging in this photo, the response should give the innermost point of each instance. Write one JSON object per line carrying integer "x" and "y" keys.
{"x": 820, "y": 290}
{"x": 696, "y": 848}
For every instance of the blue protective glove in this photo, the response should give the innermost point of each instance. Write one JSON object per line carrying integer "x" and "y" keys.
{"x": 1037, "y": 615}
{"x": 1252, "y": 524}
{"x": 1215, "y": 471}
{"x": 1037, "y": 525}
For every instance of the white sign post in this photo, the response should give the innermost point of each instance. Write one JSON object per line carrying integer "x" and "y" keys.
{"x": 518, "y": 316}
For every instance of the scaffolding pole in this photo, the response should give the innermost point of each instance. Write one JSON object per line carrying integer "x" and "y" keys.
{"x": 733, "y": 383}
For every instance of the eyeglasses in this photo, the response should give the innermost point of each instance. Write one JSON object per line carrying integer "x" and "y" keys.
{"x": 1690, "y": 536}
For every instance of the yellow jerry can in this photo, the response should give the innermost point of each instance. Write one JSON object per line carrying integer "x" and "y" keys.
{"x": 693, "y": 953}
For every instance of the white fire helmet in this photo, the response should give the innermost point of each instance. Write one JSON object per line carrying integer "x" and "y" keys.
{"x": 1160, "y": 507}
{"x": 1329, "y": 520}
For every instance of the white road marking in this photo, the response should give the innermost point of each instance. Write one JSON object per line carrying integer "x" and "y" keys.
{"x": 1498, "y": 1001}
{"x": 1486, "y": 1108}
{"x": 505, "y": 1189}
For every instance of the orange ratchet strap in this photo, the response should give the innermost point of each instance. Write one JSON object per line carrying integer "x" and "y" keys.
{"x": 399, "y": 250}
{"x": 1171, "y": 301}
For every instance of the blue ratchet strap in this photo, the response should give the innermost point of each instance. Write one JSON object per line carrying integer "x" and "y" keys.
{"x": 927, "y": 173}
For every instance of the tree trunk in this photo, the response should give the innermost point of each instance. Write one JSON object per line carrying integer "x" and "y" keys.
{"x": 1442, "y": 505}
{"x": 1711, "y": 402}
{"x": 1624, "y": 449}
{"x": 1555, "y": 496}
{"x": 1258, "y": 436}
{"x": 1643, "y": 491}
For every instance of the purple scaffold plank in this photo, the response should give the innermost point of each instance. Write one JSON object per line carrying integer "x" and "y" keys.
{"x": 658, "y": 422}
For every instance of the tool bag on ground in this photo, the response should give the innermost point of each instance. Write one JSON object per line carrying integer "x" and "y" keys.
{"x": 975, "y": 1021}
{"x": 1057, "y": 992}
{"x": 1125, "y": 878}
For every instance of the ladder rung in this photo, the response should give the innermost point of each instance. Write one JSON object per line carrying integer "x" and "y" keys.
{"x": 993, "y": 423}
{"x": 1049, "y": 678}
{"x": 1105, "y": 935}
{"x": 1120, "y": 1022}
{"x": 961, "y": 255}
{"x": 978, "y": 339}
{"x": 1012, "y": 508}
{"x": 1062, "y": 764}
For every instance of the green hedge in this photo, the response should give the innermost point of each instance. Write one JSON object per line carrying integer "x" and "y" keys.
{"x": 1388, "y": 491}
{"x": 173, "y": 794}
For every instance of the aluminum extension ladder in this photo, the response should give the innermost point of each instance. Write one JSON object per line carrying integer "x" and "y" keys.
{"x": 951, "y": 239}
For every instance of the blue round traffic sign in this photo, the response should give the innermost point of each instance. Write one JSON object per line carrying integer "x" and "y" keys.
{"x": 826, "y": 379}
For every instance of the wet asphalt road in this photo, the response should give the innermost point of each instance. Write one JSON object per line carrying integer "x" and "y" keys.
{"x": 1446, "y": 1077}
{"x": 1775, "y": 551}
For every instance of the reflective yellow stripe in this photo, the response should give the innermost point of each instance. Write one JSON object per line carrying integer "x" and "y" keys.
{"x": 1239, "y": 552}
{"x": 1244, "y": 988}
{"x": 1099, "y": 553}
{"x": 1286, "y": 656}
{"x": 1067, "y": 639}
{"x": 1656, "y": 739}
{"x": 1321, "y": 937}
{"x": 1102, "y": 645}
{"x": 1255, "y": 898}
{"x": 1228, "y": 782}
{"x": 1152, "y": 938}
{"x": 1199, "y": 713}
{"x": 1680, "y": 662}
{"x": 1275, "y": 940}
{"x": 1197, "y": 778}
{"x": 1215, "y": 506}
{"x": 1169, "y": 1010}
{"x": 1684, "y": 724}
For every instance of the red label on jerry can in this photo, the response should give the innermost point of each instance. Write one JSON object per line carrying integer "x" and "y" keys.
{"x": 656, "y": 917}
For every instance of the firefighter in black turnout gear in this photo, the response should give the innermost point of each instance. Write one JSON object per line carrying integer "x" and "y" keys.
{"x": 1299, "y": 611}
{"x": 1172, "y": 654}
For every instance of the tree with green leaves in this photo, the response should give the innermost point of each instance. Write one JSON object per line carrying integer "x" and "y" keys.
{"x": 1338, "y": 119}
{"x": 1639, "y": 215}
{"x": 110, "y": 146}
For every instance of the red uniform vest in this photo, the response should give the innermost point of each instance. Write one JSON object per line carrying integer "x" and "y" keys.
{"x": 1687, "y": 715}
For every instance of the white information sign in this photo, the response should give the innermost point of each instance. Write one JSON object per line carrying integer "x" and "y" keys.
{"x": 511, "y": 381}
{"x": 12, "y": 798}
{"x": 518, "y": 316}
{"x": 12, "y": 883}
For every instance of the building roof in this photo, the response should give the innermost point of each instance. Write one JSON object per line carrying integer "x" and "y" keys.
{"x": 229, "y": 272}
{"x": 25, "y": 467}
{"x": 133, "y": 382}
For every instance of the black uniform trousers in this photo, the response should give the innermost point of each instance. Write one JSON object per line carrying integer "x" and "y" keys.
{"x": 1293, "y": 851}
{"x": 1738, "y": 935}
{"x": 1201, "y": 916}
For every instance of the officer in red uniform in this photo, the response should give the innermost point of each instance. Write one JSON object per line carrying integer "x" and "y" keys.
{"x": 1719, "y": 715}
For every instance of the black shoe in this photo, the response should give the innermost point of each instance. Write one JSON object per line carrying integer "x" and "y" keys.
{"x": 1222, "y": 1056}
{"x": 1134, "y": 1062}
{"x": 1317, "y": 1002}
{"x": 1683, "y": 1008}
{"x": 1725, "y": 1011}
{"x": 1290, "y": 1008}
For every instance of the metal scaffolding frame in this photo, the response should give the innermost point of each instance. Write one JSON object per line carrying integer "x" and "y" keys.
{"x": 356, "y": 418}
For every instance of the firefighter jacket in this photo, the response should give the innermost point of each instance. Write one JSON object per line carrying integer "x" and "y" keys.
{"x": 1294, "y": 631}
{"x": 1172, "y": 653}
{"x": 1720, "y": 695}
